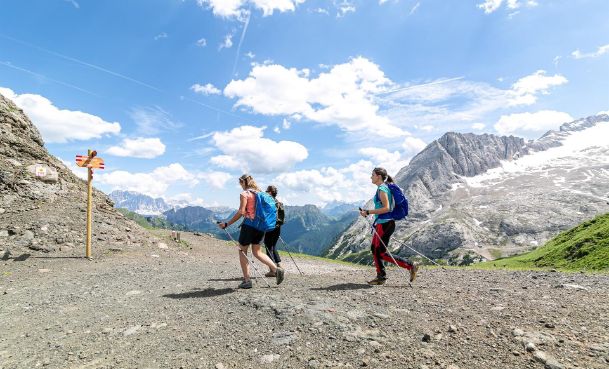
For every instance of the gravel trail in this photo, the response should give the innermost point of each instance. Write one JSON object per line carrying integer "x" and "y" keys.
{"x": 178, "y": 307}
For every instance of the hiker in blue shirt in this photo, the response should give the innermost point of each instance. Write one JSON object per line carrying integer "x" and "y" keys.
{"x": 384, "y": 228}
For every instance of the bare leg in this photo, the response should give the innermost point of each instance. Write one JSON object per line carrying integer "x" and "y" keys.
{"x": 264, "y": 259}
{"x": 245, "y": 267}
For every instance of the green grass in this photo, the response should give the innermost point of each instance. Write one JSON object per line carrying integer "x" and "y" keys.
{"x": 583, "y": 248}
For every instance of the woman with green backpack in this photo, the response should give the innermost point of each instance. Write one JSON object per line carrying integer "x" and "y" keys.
{"x": 383, "y": 227}
{"x": 250, "y": 235}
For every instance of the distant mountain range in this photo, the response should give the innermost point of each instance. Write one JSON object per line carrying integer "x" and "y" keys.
{"x": 307, "y": 229}
{"x": 492, "y": 196}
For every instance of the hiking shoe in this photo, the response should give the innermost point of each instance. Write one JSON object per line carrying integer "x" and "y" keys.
{"x": 377, "y": 281}
{"x": 245, "y": 285}
{"x": 270, "y": 274}
{"x": 279, "y": 274}
{"x": 413, "y": 272}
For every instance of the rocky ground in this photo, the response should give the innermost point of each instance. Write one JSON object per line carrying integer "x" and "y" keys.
{"x": 177, "y": 306}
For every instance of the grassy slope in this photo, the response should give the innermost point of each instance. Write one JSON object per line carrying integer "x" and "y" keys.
{"x": 585, "y": 247}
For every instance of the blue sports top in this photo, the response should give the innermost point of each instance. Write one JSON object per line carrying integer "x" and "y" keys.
{"x": 378, "y": 204}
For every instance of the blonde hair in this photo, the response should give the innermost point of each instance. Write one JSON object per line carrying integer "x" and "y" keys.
{"x": 249, "y": 182}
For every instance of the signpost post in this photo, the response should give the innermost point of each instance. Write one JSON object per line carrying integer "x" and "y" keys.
{"x": 91, "y": 161}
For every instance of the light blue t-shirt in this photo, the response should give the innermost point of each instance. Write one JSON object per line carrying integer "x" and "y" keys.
{"x": 378, "y": 204}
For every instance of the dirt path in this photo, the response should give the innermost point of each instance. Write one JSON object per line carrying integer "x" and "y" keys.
{"x": 179, "y": 308}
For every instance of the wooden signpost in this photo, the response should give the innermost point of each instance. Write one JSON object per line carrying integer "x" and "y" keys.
{"x": 91, "y": 161}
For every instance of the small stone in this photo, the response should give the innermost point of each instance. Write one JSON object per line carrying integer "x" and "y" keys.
{"x": 313, "y": 363}
{"x": 2, "y": 211}
{"x": 163, "y": 245}
{"x": 517, "y": 332}
{"x": 131, "y": 330}
{"x": 426, "y": 338}
{"x": 28, "y": 235}
{"x": 550, "y": 325}
{"x": 452, "y": 329}
{"x": 3, "y": 232}
{"x": 220, "y": 366}
{"x": 530, "y": 347}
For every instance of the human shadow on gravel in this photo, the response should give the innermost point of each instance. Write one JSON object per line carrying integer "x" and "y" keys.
{"x": 208, "y": 292}
{"x": 236, "y": 279}
{"x": 343, "y": 287}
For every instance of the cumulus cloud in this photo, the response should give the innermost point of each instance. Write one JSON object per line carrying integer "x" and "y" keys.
{"x": 319, "y": 186}
{"x": 202, "y": 42}
{"x": 526, "y": 124}
{"x": 215, "y": 179}
{"x": 344, "y": 7}
{"x": 59, "y": 125}
{"x": 343, "y": 96}
{"x": 237, "y": 8}
{"x": 413, "y": 145}
{"x": 153, "y": 183}
{"x": 490, "y": 6}
{"x": 145, "y": 148}
{"x": 207, "y": 89}
{"x": 602, "y": 50}
{"x": 245, "y": 148}
{"x": 526, "y": 89}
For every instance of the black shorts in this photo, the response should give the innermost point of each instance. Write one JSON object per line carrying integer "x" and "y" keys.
{"x": 250, "y": 235}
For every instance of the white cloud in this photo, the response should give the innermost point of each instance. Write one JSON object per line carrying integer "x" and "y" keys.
{"x": 237, "y": 8}
{"x": 245, "y": 148}
{"x": 216, "y": 179}
{"x": 160, "y": 36}
{"x": 286, "y": 124}
{"x": 464, "y": 102}
{"x": 319, "y": 186}
{"x": 276, "y": 129}
{"x": 250, "y": 55}
{"x": 343, "y": 96}
{"x": 202, "y": 42}
{"x": 478, "y": 126}
{"x": 490, "y": 6}
{"x": 527, "y": 124}
{"x": 600, "y": 51}
{"x": 145, "y": 148}
{"x": 154, "y": 183}
{"x": 57, "y": 125}
{"x": 344, "y": 7}
{"x": 227, "y": 43}
{"x": 207, "y": 89}
{"x": 413, "y": 145}
{"x": 152, "y": 120}
{"x": 525, "y": 90}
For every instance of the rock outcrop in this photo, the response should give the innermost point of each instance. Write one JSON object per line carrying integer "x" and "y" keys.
{"x": 43, "y": 204}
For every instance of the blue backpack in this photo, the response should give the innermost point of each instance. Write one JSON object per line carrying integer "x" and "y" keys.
{"x": 400, "y": 204}
{"x": 266, "y": 213}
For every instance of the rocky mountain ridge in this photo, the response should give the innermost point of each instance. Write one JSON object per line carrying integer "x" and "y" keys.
{"x": 495, "y": 196}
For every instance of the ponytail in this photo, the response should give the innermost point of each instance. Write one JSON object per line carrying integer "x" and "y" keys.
{"x": 249, "y": 182}
{"x": 383, "y": 173}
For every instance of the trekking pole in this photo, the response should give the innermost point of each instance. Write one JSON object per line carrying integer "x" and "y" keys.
{"x": 388, "y": 251}
{"x": 289, "y": 253}
{"x": 410, "y": 248}
{"x": 248, "y": 259}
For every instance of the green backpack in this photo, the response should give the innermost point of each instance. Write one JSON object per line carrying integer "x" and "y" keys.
{"x": 280, "y": 214}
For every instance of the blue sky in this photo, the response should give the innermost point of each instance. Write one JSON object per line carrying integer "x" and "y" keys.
{"x": 182, "y": 97}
